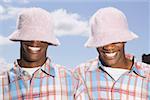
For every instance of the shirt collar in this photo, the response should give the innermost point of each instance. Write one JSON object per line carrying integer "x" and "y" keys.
{"x": 135, "y": 68}
{"x": 46, "y": 68}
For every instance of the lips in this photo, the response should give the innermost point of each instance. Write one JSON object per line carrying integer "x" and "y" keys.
{"x": 111, "y": 55}
{"x": 34, "y": 49}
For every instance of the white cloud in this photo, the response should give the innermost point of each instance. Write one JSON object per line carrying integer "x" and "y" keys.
{"x": 4, "y": 40}
{"x": 7, "y": 1}
{"x": 4, "y": 65}
{"x": 8, "y": 12}
{"x": 2, "y": 9}
{"x": 23, "y": 1}
{"x": 18, "y": 1}
{"x": 69, "y": 23}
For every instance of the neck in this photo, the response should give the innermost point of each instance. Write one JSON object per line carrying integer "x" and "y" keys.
{"x": 31, "y": 64}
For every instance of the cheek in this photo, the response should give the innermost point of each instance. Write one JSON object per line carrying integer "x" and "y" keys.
{"x": 43, "y": 51}
{"x": 101, "y": 55}
{"x": 24, "y": 49}
{"x": 122, "y": 53}
{"x": 99, "y": 50}
{"x": 44, "y": 48}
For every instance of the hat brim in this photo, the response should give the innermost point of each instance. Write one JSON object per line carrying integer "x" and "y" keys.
{"x": 16, "y": 36}
{"x": 102, "y": 40}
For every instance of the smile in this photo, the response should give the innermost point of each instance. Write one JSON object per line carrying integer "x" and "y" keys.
{"x": 34, "y": 49}
{"x": 111, "y": 55}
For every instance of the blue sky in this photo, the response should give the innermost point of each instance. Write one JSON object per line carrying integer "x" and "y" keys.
{"x": 72, "y": 27}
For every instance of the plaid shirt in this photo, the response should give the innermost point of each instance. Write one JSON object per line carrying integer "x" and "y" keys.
{"x": 132, "y": 85}
{"x": 49, "y": 82}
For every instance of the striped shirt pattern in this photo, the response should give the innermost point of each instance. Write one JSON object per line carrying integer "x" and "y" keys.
{"x": 132, "y": 85}
{"x": 49, "y": 82}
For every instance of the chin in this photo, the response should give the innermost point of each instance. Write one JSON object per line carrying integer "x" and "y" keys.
{"x": 33, "y": 58}
{"x": 110, "y": 63}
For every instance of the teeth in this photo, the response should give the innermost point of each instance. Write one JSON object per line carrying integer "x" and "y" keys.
{"x": 34, "y": 48}
{"x": 111, "y": 54}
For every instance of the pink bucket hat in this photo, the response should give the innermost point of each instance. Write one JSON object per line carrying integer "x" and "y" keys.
{"x": 35, "y": 24}
{"x": 109, "y": 25}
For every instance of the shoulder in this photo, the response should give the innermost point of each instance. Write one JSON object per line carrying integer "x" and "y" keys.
{"x": 61, "y": 70}
{"x": 83, "y": 68}
{"x": 5, "y": 73}
{"x": 143, "y": 67}
{"x": 5, "y": 67}
{"x": 87, "y": 65}
{"x": 4, "y": 77}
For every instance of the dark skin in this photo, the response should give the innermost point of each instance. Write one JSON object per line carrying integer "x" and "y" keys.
{"x": 33, "y": 54}
{"x": 113, "y": 55}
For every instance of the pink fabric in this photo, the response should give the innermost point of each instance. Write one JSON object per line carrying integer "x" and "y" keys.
{"x": 109, "y": 25}
{"x": 35, "y": 24}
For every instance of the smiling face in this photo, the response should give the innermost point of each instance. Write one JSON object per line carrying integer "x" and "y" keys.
{"x": 112, "y": 55}
{"x": 33, "y": 53}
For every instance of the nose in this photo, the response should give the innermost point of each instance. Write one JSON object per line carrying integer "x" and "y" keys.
{"x": 36, "y": 43}
{"x": 110, "y": 47}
